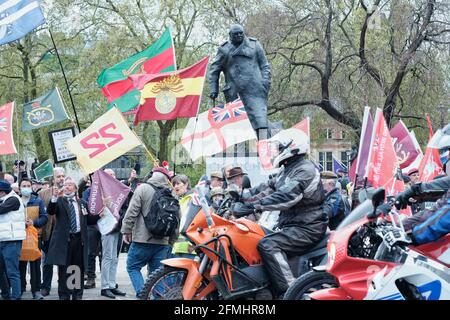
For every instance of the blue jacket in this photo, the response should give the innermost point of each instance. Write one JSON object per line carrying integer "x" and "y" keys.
{"x": 436, "y": 225}
{"x": 43, "y": 218}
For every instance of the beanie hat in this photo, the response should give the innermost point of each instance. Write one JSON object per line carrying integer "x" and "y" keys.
{"x": 5, "y": 186}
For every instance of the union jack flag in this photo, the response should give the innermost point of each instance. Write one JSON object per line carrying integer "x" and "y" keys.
{"x": 3, "y": 124}
{"x": 202, "y": 183}
{"x": 231, "y": 110}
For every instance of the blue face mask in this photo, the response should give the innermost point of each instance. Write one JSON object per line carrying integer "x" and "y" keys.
{"x": 26, "y": 192}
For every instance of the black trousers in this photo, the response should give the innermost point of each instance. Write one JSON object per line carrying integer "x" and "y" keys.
{"x": 275, "y": 247}
{"x": 47, "y": 270}
{"x": 35, "y": 275}
{"x": 94, "y": 249}
{"x": 71, "y": 276}
{"x": 35, "y": 272}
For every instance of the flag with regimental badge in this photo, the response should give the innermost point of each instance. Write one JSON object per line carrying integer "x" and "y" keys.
{"x": 44, "y": 111}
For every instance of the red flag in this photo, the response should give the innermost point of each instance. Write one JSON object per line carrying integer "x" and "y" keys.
{"x": 352, "y": 171}
{"x": 6, "y": 133}
{"x": 404, "y": 145}
{"x": 382, "y": 166}
{"x": 431, "y": 165}
{"x": 268, "y": 149}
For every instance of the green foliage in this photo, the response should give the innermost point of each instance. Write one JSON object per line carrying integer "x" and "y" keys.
{"x": 94, "y": 34}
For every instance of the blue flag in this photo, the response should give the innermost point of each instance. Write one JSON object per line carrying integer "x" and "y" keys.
{"x": 17, "y": 18}
{"x": 338, "y": 165}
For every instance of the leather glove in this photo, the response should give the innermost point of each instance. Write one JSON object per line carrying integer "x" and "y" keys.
{"x": 240, "y": 209}
{"x": 393, "y": 236}
{"x": 402, "y": 199}
{"x": 384, "y": 209}
{"x": 213, "y": 95}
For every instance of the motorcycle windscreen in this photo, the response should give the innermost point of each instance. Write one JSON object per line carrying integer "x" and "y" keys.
{"x": 188, "y": 217}
{"x": 358, "y": 213}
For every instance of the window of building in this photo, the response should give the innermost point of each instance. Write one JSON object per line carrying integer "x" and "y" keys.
{"x": 326, "y": 160}
{"x": 329, "y": 133}
{"x": 344, "y": 134}
{"x": 344, "y": 158}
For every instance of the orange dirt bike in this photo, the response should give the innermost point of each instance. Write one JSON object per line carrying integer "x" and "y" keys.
{"x": 228, "y": 264}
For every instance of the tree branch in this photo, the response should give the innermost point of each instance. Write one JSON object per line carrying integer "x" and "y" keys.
{"x": 305, "y": 64}
{"x": 373, "y": 72}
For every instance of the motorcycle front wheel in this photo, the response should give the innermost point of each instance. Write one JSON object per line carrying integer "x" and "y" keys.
{"x": 165, "y": 283}
{"x": 309, "y": 283}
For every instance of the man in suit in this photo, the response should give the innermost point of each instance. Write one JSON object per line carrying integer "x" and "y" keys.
{"x": 68, "y": 244}
{"x": 46, "y": 196}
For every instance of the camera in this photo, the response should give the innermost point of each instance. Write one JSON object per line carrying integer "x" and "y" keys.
{"x": 19, "y": 163}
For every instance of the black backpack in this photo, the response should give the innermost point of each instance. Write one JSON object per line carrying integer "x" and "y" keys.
{"x": 164, "y": 216}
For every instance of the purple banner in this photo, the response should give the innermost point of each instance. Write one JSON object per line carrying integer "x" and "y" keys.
{"x": 364, "y": 143}
{"x": 107, "y": 191}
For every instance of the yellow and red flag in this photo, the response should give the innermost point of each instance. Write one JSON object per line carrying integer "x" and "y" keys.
{"x": 106, "y": 139}
{"x": 170, "y": 95}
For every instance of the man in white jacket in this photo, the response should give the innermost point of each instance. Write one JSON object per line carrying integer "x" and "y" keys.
{"x": 12, "y": 232}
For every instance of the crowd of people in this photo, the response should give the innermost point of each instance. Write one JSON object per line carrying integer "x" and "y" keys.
{"x": 311, "y": 203}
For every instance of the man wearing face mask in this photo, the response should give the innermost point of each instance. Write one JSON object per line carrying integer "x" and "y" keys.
{"x": 46, "y": 195}
{"x": 68, "y": 245}
{"x": 247, "y": 76}
{"x": 36, "y": 216}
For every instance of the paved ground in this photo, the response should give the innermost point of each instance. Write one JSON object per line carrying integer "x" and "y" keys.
{"x": 94, "y": 294}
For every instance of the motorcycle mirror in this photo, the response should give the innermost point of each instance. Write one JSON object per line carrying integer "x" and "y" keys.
{"x": 378, "y": 197}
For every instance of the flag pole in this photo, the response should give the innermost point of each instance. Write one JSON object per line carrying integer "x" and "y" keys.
{"x": 175, "y": 156}
{"x": 65, "y": 79}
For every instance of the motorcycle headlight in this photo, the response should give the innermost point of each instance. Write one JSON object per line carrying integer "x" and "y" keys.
{"x": 242, "y": 227}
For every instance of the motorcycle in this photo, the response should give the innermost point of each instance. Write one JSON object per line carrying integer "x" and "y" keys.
{"x": 362, "y": 265}
{"x": 228, "y": 264}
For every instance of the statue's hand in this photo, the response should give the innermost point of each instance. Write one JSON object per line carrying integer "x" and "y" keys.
{"x": 213, "y": 95}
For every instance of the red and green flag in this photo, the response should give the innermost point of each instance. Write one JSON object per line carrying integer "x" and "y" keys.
{"x": 115, "y": 83}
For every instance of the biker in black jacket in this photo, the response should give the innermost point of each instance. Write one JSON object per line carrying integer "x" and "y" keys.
{"x": 298, "y": 193}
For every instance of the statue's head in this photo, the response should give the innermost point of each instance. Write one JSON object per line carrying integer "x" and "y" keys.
{"x": 236, "y": 34}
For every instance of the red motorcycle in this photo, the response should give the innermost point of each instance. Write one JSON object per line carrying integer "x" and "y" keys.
{"x": 362, "y": 266}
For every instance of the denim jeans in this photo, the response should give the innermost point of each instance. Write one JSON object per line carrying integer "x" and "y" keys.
{"x": 141, "y": 254}
{"x": 10, "y": 253}
{"x": 4, "y": 284}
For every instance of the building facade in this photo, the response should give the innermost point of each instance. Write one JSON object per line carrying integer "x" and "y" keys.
{"x": 332, "y": 142}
